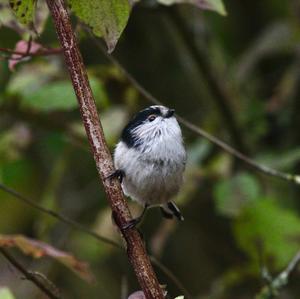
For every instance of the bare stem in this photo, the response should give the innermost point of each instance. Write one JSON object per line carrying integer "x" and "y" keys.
{"x": 135, "y": 247}
{"x": 41, "y": 52}
{"x": 276, "y": 284}
{"x": 29, "y": 275}
{"x": 64, "y": 219}
{"x": 57, "y": 216}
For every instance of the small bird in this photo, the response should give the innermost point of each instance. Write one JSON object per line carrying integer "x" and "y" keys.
{"x": 150, "y": 160}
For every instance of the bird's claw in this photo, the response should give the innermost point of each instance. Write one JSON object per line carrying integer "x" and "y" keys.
{"x": 117, "y": 174}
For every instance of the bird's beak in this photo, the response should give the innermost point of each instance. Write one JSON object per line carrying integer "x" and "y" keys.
{"x": 170, "y": 113}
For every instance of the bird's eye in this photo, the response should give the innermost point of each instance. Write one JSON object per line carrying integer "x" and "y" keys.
{"x": 151, "y": 117}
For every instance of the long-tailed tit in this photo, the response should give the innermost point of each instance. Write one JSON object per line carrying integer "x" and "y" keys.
{"x": 150, "y": 160}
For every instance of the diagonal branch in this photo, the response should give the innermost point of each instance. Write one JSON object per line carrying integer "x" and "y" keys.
{"x": 58, "y": 216}
{"x": 276, "y": 284}
{"x": 294, "y": 178}
{"x": 72, "y": 223}
{"x": 42, "y": 52}
{"x": 135, "y": 246}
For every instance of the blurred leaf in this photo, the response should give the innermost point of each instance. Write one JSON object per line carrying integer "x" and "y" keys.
{"x": 137, "y": 295}
{"x": 265, "y": 45}
{"x": 215, "y": 5}
{"x": 8, "y": 19}
{"x": 197, "y": 152}
{"x": 24, "y": 10}
{"x": 231, "y": 195}
{"x": 280, "y": 160}
{"x": 13, "y": 141}
{"x": 272, "y": 226}
{"x": 180, "y": 297}
{"x": 107, "y": 18}
{"x": 113, "y": 121}
{"x": 32, "y": 83}
{"x": 5, "y": 293}
{"x": 55, "y": 95}
{"x": 39, "y": 249}
{"x": 31, "y": 77}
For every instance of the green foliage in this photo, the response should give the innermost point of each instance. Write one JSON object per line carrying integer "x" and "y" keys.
{"x": 107, "y": 18}
{"x": 44, "y": 153}
{"x": 59, "y": 96}
{"x": 5, "y": 293}
{"x": 232, "y": 194}
{"x": 215, "y": 5}
{"x": 39, "y": 91}
{"x": 265, "y": 222}
{"x": 24, "y": 10}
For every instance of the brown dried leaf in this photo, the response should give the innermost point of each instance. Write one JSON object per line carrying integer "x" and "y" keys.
{"x": 39, "y": 249}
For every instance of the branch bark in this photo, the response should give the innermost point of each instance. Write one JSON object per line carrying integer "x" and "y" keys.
{"x": 135, "y": 247}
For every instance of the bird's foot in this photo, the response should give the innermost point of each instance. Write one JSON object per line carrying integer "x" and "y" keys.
{"x": 117, "y": 174}
{"x": 132, "y": 223}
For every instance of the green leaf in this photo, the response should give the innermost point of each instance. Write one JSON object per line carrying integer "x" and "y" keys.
{"x": 56, "y": 95}
{"x": 5, "y": 293}
{"x": 231, "y": 195}
{"x": 272, "y": 226}
{"x": 37, "y": 90}
{"x": 24, "y": 10}
{"x": 107, "y": 18}
{"x": 60, "y": 96}
{"x": 215, "y": 5}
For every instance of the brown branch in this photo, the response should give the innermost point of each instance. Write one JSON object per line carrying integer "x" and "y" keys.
{"x": 29, "y": 275}
{"x": 135, "y": 247}
{"x": 57, "y": 216}
{"x": 64, "y": 219}
{"x": 294, "y": 178}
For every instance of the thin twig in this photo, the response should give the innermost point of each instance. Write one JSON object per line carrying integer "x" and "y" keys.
{"x": 172, "y": 276}
{"x": 135, "y": 246}
{"x": 60, "y": 217}
{"x": 276, "y": 284}
{"x": 29, "y": 275}
{"x": 41, "y": 52}
{"x": 227, "y": 148}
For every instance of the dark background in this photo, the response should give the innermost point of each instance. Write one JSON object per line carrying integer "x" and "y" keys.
{"x": 237, "y": 77}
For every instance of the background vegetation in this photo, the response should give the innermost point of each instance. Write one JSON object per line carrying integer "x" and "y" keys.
{"x": 236, "y": 76}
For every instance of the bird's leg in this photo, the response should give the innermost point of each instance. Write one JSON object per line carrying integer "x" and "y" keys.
{"x": 117, "y": 174}
{"x": 166, "y": 214}
{"x": 135, "y": 221}
{"x": 174, "y": 209}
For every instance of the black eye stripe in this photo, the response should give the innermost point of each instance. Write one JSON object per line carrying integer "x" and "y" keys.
{"x": 137, "y": 120}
